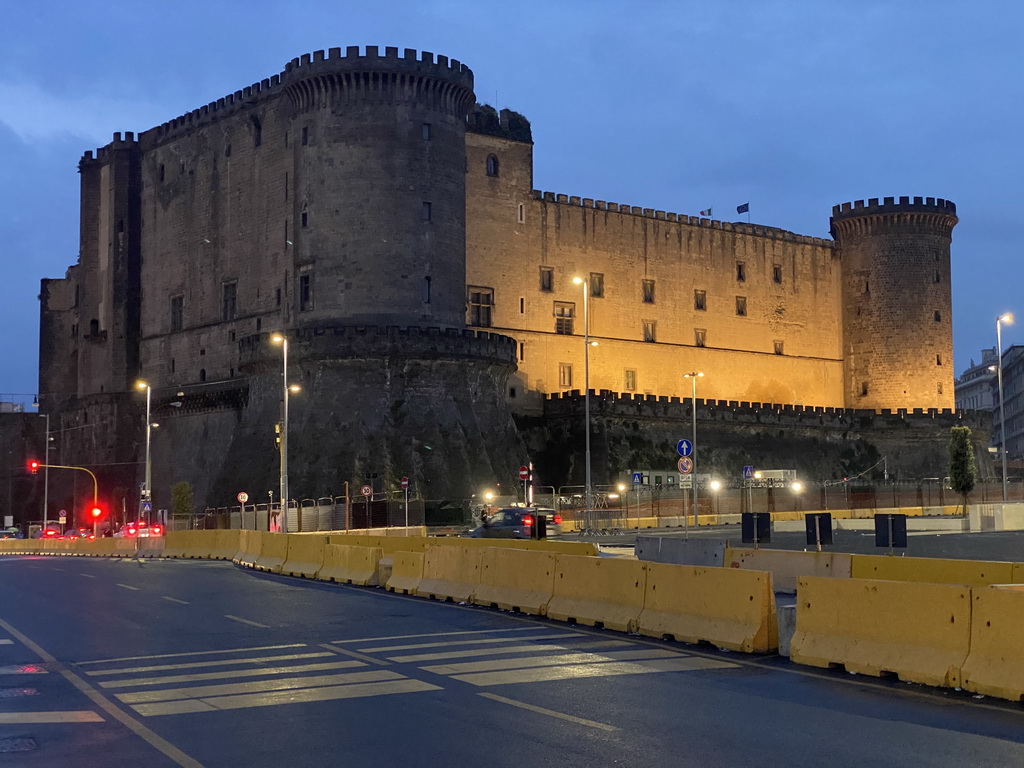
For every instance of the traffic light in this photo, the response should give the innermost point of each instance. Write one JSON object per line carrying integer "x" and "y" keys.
{"x": 96, "y": 513}
{"x": 33, "y": 465}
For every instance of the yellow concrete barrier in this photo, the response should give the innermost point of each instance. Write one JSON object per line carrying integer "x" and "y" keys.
{"x": 125, "y": 547}
{"x": 305, "y": 555}
{"x": 919, "y": 632}
{"x": 273, "y": 552}
{"x": 582, "y": 548}
{"x": 406, "y": 572}
{"x": 516, "y": 580}
{"x": 390, "y": 544}
{"x": 249, "y": 545}
{"x": 733, "y": 609}
{"x": 177, "y": 543}
{"x": 225, "y": 544}
{"x": 598, "y": 591}
{"x": 995, "y": 664}
{"x": 351, "y": 565}
{"x": 973, "y": 573}
{"x": 450, "y": 573}
{"x": 151, "y": 546}
{"x": 199, "y": 544}
{"x": 787, "y": 566}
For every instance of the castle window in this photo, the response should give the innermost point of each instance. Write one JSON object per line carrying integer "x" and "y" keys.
{"x": 306, "y": 292}
{"x": 181, "y": 168}
{"x": 512, "y": 393}
{"x": 286, "y": 185}
{"x": 426, "y": 290}
{"x": 94, "y": 327}
{"x": 741, "y": 306}
{"x": 286, "y": 138}
{"x": 425, "y": 131}
{"x": 202, "y": 374}
{"x": 522, "y": 350}
{"x": 426, "y": 211}
{"x": 940, "y": 388}
{"x": 700, "y": 300}
{"x": 257, "y": 131}
{"x": 492, "y": 165}
{"x": 741, "y": 272}
{"x": 867, "y": 287}
{"x": 938, "y": 316}
{"x": 565, "y": 375}
{"x": 304, "y": 216}
{"x": 938, "y": 359}
{"x": 649, "y": 334}
{"x": 936, "y": 278}
{"x": 522, "y": 213}
{"x": 863, "y": 389}
{"x": 700, "y": 336}
{"x": 287, "y": 242}
{"x": 596, "y": 285}
{"x": 630, "y": 380}
{"x": 522, "y": 306}
{"x": 565, "y": 311}
{"x": 259, "y": 323}
{"x": 648, "y": 291}
{"x": 177, "y": 313}
{"x": 481, "y": 300}
{"x": 231, "y": 336}
{"x": 229, "y": 300}
{"x": 161, "y": 172}
{"x": 778, "y": 347}
{"x": 777, "y": 273}
{"x": 227, "y": 151}
{"x": 277, "y": 296}
{"x": 173, "y": 366}
{"x": 547, "y": 278}
{"x": 305, "y": 135}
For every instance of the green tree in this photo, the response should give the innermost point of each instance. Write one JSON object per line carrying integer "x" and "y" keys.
{"x": 182, "y": 504}
{"x": 962, "y": 471}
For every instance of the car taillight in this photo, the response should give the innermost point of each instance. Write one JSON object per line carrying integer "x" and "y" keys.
{"x": 558, "y": 519}
{"x": 131, "y": 531}
{"x": 527, "y": 520}
{"x": 157, "y": 529}
{"x": 91, "y": 536}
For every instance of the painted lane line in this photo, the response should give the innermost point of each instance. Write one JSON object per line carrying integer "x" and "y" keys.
{"x": 258, "y": 686}
{"x": 419, "y": 657}
{"x": 38, "y": 718}
{"x": 550, "y": 712}
{"x": 194, "y": 653}
{"x": 198, "y": 664}
{"x": 87, "y": 575}
{"x": 128, "y": 586}
{"x": 5, "y": 641}
{"x": 432, "y": 634}
{"x": 144, "y": 733}
{"x": 275, "y": 698}
{"x": 452, "y": 643}
{"x": 576, "y": 671}
{"x": 23, "y": 669}
{"x": 246, "y": 621}
{"x": 175, "y": 600}
{"x": 234, "y": 673}
{"x": 355, "y": 655}
{"x": 527, "y": 662}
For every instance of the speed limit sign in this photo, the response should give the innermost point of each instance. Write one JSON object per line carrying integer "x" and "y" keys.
{"x": 366, "y": 490}
{"x": 243, "y": 497}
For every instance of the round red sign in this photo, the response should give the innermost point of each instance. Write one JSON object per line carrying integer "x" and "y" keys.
{"x": 405, "y": 482}
{"x": 366, "y": 490}
{"x": 524, "y": 473}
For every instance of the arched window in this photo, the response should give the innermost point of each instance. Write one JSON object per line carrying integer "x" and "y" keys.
{"x": 492, "y": 165}
{"x": 202, "y": 374}
{"x": 94, "y": 327}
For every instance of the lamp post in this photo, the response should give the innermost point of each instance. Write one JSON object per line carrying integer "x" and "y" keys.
{"x": 588, "y": 488}
{"x": 279, "y": 338}
{"x": 46, "y": 470}
{"x": 1004, "y": 318}
{"x": 693, "y": 376}
{"x": 147, "y": 494}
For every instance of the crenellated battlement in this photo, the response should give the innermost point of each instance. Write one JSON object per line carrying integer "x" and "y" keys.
{"x": 117, "y": 143}
{"x": 352, "y": 58}
{"x": 872, "y": 207}
{"x": 755, "y": 230}
{"x": 871, "y": 217}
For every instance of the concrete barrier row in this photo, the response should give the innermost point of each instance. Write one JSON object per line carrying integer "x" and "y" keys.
{"x": 103, "y": 547}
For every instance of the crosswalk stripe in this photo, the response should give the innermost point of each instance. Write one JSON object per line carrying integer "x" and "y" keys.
{"x": 218, "y": 663}
{"x": 199, "y": 677}
{"x": 40, "y": 718}
{"x": 418, "y": 657}
{"x": 527, "y": 662}
{"x": 431, "y": 634}
{"x": 607, "y": 669}
{"x": 258, "y": 686}
{"x": 274, "y": 698}
{"x": 193, "y": 653}
{"x": 450, "y": 643}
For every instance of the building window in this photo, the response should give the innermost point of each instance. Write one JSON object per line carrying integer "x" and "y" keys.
{"x": 938, "y": 316}
{"x": 777, "y": 273}
{"x": 700, "y": 300}
{"x": 287, "y": 242}
{"x": 161, "y": 173}
{"x": 172, "y": 365}
{"x": 426, "y": 290}
{"x": 286, "y": 138}
{"x": 286, "y": 185}
{"x": 700, "y": 336}
{"x": 741, "y": 306}
{"x": 425, "y": 131}
{"x": 867, "y": 287}
{"x": 259, "y": 323}
{"x": 741, "y": 272}
{"x": 481, "y": 300}
{"x": 305, "y": 292}
{"x": 863, "y": 388}
{"x": 522, "y": 306}
{"x": 227, "y": 151}
{"x": 512, "y": 393}
{"x": 202, "y": 374}
{"x": 229, "y": 302}
{"x": 547, "y": 278}
{"x": 938, "y": 359}
{"x": 522, "y": 213}
{"x": 565, "y": 311}
{"x": 648, "y": 291}
{"x": 630, "y": 380}
{"x": 492, "y": 165}
{"x": 257, "y": 131}
{"x": 940, "y": 388}
{"x": 649, "y": 330}
{"x": 305, "y": 135}
{"x": 426, "y": 211}
{"x": 522, "y": 350}
{"x": 596, "y": 286}
{"x": 277, "y": 296}
{"x": 565, "y": 375}
{"x": 177, "y": 313}
{"x": 779, "y": 347}
{"x": 935, "y": 278}
{"x": 304, "y": 216}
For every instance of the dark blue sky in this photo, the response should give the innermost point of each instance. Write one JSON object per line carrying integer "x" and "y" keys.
{"x": 793, "y": 106}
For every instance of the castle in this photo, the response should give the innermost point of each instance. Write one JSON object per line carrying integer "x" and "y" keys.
{"x": 360, "y": 203}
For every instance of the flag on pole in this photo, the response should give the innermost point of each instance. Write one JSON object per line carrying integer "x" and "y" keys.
{"x": 745, "y": 208}
{"x": 706, "y": 212}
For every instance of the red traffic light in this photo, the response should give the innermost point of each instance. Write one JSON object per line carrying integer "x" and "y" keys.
{"x": 33, "y": 465}
{"x": 96, "y": 513}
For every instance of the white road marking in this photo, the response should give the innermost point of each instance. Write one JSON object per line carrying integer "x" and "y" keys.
{"x": 194, "y": 653}
{"x": 175, "y": 600}
{"x": 450, "y": 643}
{"x": 432, "y": 634}
{"x": 418, "y": 657}
{"x": 527, "y": 662}
{"x": 6, "y": 642}
{"x": 128, "y": 586}
{"x": 199, "y": 677}
{"x": 606, "y": 669}
{"x": 197, "y": 664}
{"x": 550, "y": 712}
{"x": 246, "y": 621}
{"x": 34, "y": 718}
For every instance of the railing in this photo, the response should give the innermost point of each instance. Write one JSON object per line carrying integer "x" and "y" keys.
{"x": 306, "y": 515}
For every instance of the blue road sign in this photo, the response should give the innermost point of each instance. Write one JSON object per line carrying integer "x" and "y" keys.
{"x": 147, "y": 507}
{"x": 748, "y": 472}
{"x": 638, "y": 478}
{"x": 684, "y": 447}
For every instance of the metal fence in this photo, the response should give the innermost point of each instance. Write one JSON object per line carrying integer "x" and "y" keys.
{"x": 307, "y": 515}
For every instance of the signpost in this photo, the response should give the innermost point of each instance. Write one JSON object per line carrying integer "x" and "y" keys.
{"x": 684, "y": 448}
{"x": 524, "y": 475}
{"x": 242, "y": 498}
{"x": 685, "y": 465}
{"x": 405, "y": 487}
{"x": 63, "y": 517}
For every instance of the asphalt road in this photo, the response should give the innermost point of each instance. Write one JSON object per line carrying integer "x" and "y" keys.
{"x": 195, "y": 663}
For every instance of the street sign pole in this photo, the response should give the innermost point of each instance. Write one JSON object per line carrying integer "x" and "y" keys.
{"x": 405, "y": 487}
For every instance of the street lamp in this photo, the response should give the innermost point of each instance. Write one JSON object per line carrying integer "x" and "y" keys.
{"x": 279, "y": 338}
{"x": 693, "y": 376}
{"x": 1004, "y": 318}
{"x": 147, "y": 493}
{"x": 588, "y": 488}
{"x": 46, "y": 469}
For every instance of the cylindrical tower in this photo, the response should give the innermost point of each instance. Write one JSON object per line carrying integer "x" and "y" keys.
{"x": 897, "y": 315}
{"x": 379, "y": 190}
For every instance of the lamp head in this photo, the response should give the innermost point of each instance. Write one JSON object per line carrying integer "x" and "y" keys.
{"x": 716, "y": 485}
{"x": 277, "y": 338}
{"x": 1005, "y": 319}
{"x": 141, "y": 384}
{"x": 577, "y": 281}
{"x": 294, "y": 388}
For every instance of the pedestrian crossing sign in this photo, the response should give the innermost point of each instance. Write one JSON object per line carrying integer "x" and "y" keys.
{"x": 638, "y": 478}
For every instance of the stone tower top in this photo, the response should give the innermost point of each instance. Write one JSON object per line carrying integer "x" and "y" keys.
{"x": 860, "y": 217}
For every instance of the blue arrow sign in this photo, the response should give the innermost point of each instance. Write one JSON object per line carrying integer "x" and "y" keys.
{"x": 638, "y": 478}
{"x": 684, "y": 447}
{"x": 748, "y": 472}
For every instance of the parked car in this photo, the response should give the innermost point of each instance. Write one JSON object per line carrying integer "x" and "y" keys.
{"x": 516, "y": 523}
